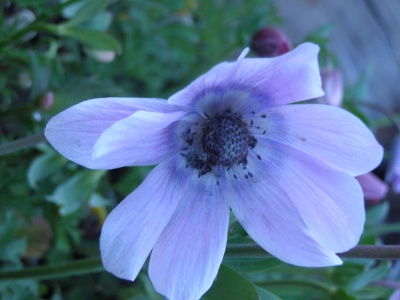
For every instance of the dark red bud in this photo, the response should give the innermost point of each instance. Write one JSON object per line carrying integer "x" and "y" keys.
{"x": 270, "y": 42}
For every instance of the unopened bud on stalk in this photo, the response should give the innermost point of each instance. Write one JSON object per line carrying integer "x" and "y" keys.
{"x": 332, "y": 84}
{"x": 270, "y": 42}
{"x": 393, "y": 172}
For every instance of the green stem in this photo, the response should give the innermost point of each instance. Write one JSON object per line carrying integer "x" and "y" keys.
{"x": 93, "y": 265}
{"x": 388, "y": 113}
{"x": 23, "y": 143}
{"x": 80, "y": 267}
{"x": 36, "y": 26}
{"x": 326, "y": 288}
{"x": 374, "y": 252}
{"x": 360, "y": 251}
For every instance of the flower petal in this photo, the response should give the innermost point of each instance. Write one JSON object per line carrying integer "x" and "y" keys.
{"x": 288, "y": 78}
{"x": 186, "y": 258}
{"x": 269, "y": 216}
{"x": 74, "y": 131}
{"x": 133, "y": 227}
{"x": 218, "y": 77}
{"x": 145, "y": 138}
{"x": 329, "y": 133}
{"x": 267, "y": 82}
{"x": 329, "y": 201}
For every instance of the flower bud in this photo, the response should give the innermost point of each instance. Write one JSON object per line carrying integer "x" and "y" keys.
{"x": 270, "y": 42}
{"x": 103, "y": 56}
{"x": 332, "y": 84}
{"x": 393, "y": 172}
{"x": 47, "y": 100}
{"x": 39, "y": 235}
{"x": 372, "y": 186}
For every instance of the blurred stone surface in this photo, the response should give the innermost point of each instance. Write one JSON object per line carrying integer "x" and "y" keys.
{"x": 367, "y": 35}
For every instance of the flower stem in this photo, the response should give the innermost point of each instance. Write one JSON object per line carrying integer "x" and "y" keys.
{"x": 323, "y": 287}
{"x": 23, "y": 143}
{"x": 373, "y": 252}
{"x": 387, "y": 113}
{"x": 79, "y": 267}
{"x": 94, "y": 265}
{"x": 360, "y": 251}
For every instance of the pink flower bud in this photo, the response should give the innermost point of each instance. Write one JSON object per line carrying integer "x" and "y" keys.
{"x": 373, "y": 187}
{"x": 332, "y": 84}
{"x": 393, "y": 172}
{"x": 103, "y": 56}
{"x": 39, "y": 235}
{"x": 47, "y": 101}
{"x": 270, "y": 42}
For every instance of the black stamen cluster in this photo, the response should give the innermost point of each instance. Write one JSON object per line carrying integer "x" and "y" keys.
{"x": 224, "y": 141}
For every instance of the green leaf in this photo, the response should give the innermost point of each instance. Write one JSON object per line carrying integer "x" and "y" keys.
{"x": 377, "y": 214}
{"x": 265, "y": 295}
{"x": 341, "y": 294}
{"x": 71, "y": 195}
{"x": 373, "y": 292}
{"x": 236, "y": 230}
{"x": 43, "y": 166}
{"x": 92, "y": 38}
{"x": 231, "y": 285}
{"x": 11, "y": 247}
{"x": 363, "y": 279}
{"x": 355, "y": 110}
{"x": 87, "y": 11}
{"x": 100, "y": 22}
{"x": 252, "y": 265}
{"x": 97, "y": 200}
{"x": 40, "y": 73}
{"x": 21, "y": 289}
{"x": 381, "y": 229}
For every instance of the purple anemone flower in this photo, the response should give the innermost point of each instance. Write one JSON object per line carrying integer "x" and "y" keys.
{"x": 227, "y": 141}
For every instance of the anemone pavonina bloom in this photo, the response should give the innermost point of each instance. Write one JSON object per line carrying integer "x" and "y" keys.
{"x": 228, "y": 140}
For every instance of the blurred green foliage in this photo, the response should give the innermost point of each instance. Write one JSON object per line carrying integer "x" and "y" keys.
{"x": 55, "y": 53}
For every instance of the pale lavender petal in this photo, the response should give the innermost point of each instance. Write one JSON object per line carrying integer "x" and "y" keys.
{"x": 269, "y": 216}
{"x": 393, "y": 172}
{"x": 288, "y": 78}
{"x": 263, "y": 82}
{"x": 329, "y": 201}
{"x": 74, "y": 131}
{"x": 145, "y": 138}
{"x": 395, "y": 295}
{"x": 217, "y": 79}
{"x": 326, "y": 132}
{"x": 133, "y": 227}
{"x": 186, "y": 258}
{"x": 372, "y": 186}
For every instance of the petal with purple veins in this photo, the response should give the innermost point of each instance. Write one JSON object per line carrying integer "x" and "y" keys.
{"x": 186, "y": 258}
{"x": 145, "y": 138}
{"x": 269, "y": 216}
{"x": 329, "y": 201}
{"x": 326, "y": 132}
{"x": 288, "y": 78}
{"x": 74, "y": 131}
{"x": 133, "y": 227}
{"x": 266, "y": 82}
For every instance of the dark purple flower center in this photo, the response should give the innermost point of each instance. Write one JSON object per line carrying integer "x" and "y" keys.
{"x": 223, "y": 140}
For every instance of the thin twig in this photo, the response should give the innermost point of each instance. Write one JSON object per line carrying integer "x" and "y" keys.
{"x": 94, "y": 265}
{"x": 361, "y": 251}
{"x": 23, "y": 143}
